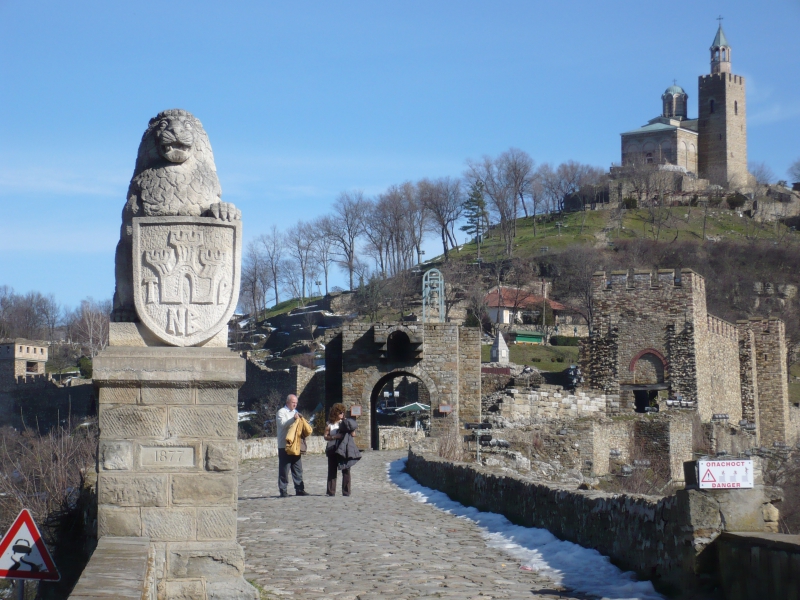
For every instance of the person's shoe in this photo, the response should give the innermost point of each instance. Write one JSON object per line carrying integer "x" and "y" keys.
{"x": 284, "y": 494}
{"x": 331, "y": 495}
{"x": 301, "y": 493}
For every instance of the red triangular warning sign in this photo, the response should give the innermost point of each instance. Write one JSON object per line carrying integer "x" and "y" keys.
{"x": 23, "y": 554}
{"x": 708, "y": 477}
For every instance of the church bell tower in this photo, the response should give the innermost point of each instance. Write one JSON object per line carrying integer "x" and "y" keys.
{"x": 722, "y": 127}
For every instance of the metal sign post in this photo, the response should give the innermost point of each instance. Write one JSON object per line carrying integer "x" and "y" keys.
{"x": 23, "y": 554}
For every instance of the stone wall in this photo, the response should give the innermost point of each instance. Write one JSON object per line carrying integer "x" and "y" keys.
{"x": 399, "y": 438}
{"x": 718, "y": 372}
{"x": 469, "y": 374}
{"x": 773, "y": 381}
{"x": 664, "y": 539}
{"x": 257, "y": 448}
{"x": 307, "y": 384}
{"x": 664, "y": 439}
{"x": 759, "y": 565}
{"x": 550, "y": 402}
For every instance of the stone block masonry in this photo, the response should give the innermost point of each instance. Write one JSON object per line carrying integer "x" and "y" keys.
{"x": 362, "y": 358}
{"x": 168, "y": 458}
{"x": 653, "y": 335}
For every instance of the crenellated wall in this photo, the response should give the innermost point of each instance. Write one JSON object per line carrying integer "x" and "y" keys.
{"x": 653, "y": 333}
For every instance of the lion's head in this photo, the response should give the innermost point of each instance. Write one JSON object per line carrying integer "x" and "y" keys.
{"x": 175, "y": 172}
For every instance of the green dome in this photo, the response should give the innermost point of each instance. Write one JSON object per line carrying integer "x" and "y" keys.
{"x": 674, "y": 89}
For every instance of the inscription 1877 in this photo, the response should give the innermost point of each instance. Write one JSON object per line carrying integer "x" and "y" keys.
{"x": 161, "y": 456}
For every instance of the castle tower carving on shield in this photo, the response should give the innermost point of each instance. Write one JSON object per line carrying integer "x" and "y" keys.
{"x": 722, "y": 127}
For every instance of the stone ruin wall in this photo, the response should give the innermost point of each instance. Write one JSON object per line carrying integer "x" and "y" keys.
{"x": 638, "y": 311}
{"x": 307, "y": 384}
{"x": 548, "y": 402}
{"x": 469, "y": 374}
{"x": 718, "y": 372}
{"x": 738, "y": 370}
{"x": 775, "y": 417}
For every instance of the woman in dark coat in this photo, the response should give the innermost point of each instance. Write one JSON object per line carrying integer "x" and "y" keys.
{"x": 341, "y": 450}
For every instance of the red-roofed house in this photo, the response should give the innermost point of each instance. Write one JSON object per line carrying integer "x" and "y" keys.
{"x": 507, "y": 304}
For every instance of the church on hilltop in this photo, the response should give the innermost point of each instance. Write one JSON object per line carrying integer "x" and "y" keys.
{"x": 711, "y": 147}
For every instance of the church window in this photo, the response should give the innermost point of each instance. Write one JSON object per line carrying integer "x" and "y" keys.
{"x": 649, "y": 158}
{"x": 723, "y": 54}
{"x": 735, "y": 107}
{"x": 711, "y": 106}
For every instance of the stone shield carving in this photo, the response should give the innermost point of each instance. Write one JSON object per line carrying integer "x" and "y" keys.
{"x": 186, "y": 276}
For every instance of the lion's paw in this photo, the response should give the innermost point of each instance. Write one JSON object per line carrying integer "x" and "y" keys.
{"x": 225, "y": 211}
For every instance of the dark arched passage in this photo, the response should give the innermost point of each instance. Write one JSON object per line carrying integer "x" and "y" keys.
{"x": 410, "y": 388}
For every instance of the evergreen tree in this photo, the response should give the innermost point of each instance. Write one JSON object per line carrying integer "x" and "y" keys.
{"x": 476, "y": 215}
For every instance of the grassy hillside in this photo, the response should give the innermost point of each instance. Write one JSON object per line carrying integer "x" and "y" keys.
{"x": 600, "y": 228}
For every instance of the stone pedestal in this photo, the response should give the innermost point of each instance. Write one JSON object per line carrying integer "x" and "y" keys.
{"x": 167, "y": 462}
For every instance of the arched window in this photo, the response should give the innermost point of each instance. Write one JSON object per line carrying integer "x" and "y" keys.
{"x": 649, "y": 158}
{"x": 735, "y": 107}
{"x": 711, "y": 106}
{"x": 723, "y": 54}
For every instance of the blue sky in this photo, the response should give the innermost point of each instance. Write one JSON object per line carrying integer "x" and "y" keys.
{"x": 304, "y": 100}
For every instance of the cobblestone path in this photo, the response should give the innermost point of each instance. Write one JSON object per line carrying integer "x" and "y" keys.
{"x": 377, "y": 543}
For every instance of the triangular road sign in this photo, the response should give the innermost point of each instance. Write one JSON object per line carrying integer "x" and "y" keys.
{"x": 709, "y": 477}
{"x": 23, "y": 554}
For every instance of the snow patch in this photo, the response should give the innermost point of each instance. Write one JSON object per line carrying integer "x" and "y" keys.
{"x": 565, "y": 563}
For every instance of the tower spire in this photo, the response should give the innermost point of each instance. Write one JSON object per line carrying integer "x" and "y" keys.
{"x": 720, "y": 52}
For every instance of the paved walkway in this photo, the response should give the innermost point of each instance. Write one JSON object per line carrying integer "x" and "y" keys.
{"x": 377, "y": 543}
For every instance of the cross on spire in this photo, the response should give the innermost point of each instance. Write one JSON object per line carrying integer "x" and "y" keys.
{"x": 719, "y": 18}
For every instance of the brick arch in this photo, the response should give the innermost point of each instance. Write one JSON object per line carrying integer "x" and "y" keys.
{"x": 403, "y": 328}
{"x": 632, "y": 366}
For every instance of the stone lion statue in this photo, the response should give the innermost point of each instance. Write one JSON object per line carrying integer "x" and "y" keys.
{"x": 174, "y": 175}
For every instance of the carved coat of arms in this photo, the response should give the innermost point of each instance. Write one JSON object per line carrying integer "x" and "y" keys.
{"x": 186, "y": 276}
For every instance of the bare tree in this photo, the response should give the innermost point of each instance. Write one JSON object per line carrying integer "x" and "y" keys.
{"x": 51, "y": 314}
{"x": 761, "y": 173}
{"x": 378, "y": 233}
{"x": 89, "y": 324}
{"x": 299, "y": 244}
{"x": 794, "y": 171}
{"x": 444, "y": 201}
{"x": 273, "y": 252}
{"x": 418, "y": 217}
{"x": 346, "y": 226}
{"x": 256, "y": 281}
{"x": 517, "y": 168}
{"x": 323, "y": 247}
{"x": 502, "y": 197}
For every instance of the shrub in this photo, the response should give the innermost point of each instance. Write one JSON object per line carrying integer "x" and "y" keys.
{"x": 85, "y": 366}
{"x": 630, "y": 203}
{"x": 564, "y": 340}
{"x": 736, "y": 201}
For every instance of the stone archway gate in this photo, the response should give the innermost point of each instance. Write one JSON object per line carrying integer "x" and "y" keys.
{"x": 446, "y": 359}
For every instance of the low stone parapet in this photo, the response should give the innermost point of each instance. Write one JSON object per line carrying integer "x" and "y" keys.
{"x": 398, "y": 438}
{"x": 268, "y": 447}
{"x": 663, "y": 539}
{"x": 121, "y": 567}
